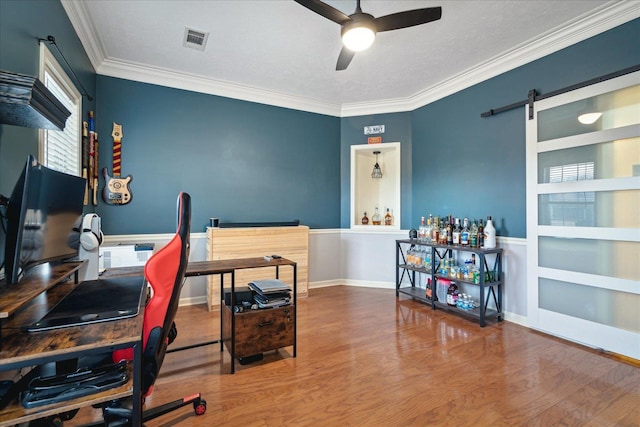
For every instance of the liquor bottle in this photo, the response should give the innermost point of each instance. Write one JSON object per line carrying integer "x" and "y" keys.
{"x": 489, "y": 234}
{"x": 452, "y": 294}
{"x": 388, "y": 219}
{"x": 443, "y": 230}
{"x": 476, "y": 270}
{"x": 375, "y": 219}
{"x": 450, "y": 230}
{"x": 464, "y": 234}
{"x": 427, "y": 232}
{"x": 456, "y": 232}
{"x": 365, "y": 219}
{"x": 480, "y": 234}
{"x": 422, "y": 230}
{"x": 473, "y": 236}
{"x": 435, "y": 231}
{"x": 429, "y": 289}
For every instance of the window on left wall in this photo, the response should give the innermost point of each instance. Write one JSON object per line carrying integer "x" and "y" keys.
{"x": 61, "y": 150}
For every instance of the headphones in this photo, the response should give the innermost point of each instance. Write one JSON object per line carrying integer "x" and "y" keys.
{"x": 90, "y": 239}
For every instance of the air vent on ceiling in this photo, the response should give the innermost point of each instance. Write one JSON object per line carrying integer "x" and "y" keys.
{"x": 195, "y": 39}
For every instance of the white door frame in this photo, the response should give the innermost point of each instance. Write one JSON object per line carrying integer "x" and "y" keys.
{"x": 586, "y": 332}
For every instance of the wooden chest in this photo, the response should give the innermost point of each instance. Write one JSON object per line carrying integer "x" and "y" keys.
{"x": 257, "y": 331}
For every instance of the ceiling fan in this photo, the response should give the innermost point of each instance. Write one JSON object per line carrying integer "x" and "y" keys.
{"x": 359, "y": 29}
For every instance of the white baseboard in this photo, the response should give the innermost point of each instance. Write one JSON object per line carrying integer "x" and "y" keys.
{"x": 325, "y": 283}
{"x": 359, "y": 283}
{"x": 192, "y": 301}
{"x": 516, "y": 318}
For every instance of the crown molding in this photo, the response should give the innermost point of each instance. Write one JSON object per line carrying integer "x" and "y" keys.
{"x": 86, "y": 31}
{"x": 606, "y": 17}
{"x": 196, "y": 83}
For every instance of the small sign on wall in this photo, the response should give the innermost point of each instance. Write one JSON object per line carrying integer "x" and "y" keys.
{"x": 374, "y": 140}
{"x": 373, "y": 130}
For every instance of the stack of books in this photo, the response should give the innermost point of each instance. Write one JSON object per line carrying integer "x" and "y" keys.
{"x": 270, "y": 293}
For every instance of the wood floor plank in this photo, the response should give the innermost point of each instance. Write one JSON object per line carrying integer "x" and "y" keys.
{"x": 366, "y": 358}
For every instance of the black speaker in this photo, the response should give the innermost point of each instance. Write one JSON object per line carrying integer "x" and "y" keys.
{"x": 243, "y": 293}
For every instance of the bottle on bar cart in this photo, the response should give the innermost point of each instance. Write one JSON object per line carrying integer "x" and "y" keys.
{"x": 422, "y": 230}
{"x": 473, "y": 235}
{"x": 444, "y": 225}
{"x": 489, "y": 234}
{"x": 480, "y": 234}
{"x": 464, "y": 234}
{"x": 435, "y": 231}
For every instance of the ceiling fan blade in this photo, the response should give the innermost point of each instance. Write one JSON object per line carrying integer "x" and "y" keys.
{"x": 325, "y": 10}
{"x": 346, "y": 55}
{"x": 408, "y": 18}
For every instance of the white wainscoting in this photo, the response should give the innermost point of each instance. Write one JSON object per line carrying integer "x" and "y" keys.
{"x": 195, "y": 288}
{"x": 355, "y": 258}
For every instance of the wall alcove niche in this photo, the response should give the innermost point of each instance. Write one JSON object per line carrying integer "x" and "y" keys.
{"x": 368, "y": 192}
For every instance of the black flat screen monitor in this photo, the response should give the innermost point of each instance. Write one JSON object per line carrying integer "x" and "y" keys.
{"x": 44, "y": 218}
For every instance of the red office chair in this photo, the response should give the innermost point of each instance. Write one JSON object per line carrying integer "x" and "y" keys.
{"x": 164, "y": 272}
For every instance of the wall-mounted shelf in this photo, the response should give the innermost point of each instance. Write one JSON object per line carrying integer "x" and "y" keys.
{"x": 25, "y": 101}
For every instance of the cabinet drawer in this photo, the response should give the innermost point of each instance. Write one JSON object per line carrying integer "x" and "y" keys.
{"x": 257, "y": 331}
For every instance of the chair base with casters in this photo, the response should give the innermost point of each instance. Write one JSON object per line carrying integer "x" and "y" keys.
{"x": 115, "y": 415}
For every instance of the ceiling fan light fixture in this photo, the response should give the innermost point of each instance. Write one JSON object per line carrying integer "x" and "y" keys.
{"x": 359, "y": 34}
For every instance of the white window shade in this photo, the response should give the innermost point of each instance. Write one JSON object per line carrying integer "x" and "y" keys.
{"x": 61, "y": 150}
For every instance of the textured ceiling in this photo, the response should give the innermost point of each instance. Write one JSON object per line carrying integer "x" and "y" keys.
{"x": 282, "y": 49}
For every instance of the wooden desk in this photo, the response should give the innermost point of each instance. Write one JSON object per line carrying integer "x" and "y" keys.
{"x": 222, "y": 267}
{"x": 250, "y": 242}
{"x": 23, "y": 349}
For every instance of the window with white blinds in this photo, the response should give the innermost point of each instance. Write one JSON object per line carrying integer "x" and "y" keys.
{"x": 61, "y": 150}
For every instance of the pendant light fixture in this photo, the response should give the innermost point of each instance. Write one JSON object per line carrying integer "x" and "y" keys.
{"x": 377, "y": 172}
{"x": 589, "y": 118}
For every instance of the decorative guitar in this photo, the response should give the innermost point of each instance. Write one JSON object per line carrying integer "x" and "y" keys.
{"x": 116, "y": 190}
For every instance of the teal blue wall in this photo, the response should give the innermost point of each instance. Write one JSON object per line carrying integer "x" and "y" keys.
{"x": 470, "y": 166}
{"x": 21, "y": 24}
{"x": 240, "y": 161}
{"x": 250, "y": 162}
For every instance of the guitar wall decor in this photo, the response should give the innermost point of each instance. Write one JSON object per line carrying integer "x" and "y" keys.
{"x": 116, "y": 190}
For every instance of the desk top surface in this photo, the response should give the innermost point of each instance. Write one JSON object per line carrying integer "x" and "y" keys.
{"x": 20, "y": 347}
{"x": 27, "y": 302}
{"x": 202, "y": 268}
{"x": 37, "y": 280}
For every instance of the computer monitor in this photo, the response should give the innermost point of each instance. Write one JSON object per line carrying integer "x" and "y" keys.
{"x": 44, "y": 216}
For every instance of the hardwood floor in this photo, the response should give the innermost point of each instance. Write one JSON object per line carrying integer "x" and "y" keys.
{"x": 366, "y": 358}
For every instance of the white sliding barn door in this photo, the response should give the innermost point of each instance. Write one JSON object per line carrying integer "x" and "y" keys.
{"x": 583, "y": 216}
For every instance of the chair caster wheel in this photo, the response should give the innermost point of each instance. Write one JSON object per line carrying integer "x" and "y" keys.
{"x": 200, "y": 407}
